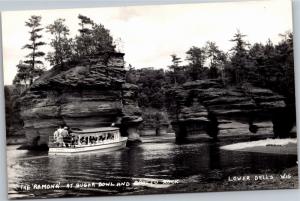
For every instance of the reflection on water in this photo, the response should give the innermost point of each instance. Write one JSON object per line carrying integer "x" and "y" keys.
{"x": 149, "y": 161}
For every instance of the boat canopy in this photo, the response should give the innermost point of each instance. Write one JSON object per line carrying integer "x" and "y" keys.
{"x": 94, "y": 130}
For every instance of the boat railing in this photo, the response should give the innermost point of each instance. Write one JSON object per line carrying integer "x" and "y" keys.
{"x": 64, "y": 142}
{"x": 51, "y": 142}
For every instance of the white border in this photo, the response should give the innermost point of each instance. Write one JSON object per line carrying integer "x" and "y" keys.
{"x": 265, "y": 195}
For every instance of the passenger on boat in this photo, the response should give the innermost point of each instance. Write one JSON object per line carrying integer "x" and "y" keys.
{"x": 76, "y": 140}
{"x": 66, "y": 137}
{"x": 93, "y": 140}
{"x": 82, "y": 140}
{"x": 58, "y": 138}
{"x": 73, "y": 140}
{"x": 55, "y": 135}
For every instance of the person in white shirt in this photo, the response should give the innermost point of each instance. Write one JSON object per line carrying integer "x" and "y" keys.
{"x": 59, "y": 137}
{"x": 60, "y": 129}
{"x": 55, "y": 135}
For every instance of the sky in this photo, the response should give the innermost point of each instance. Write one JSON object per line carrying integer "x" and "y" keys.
{"x": 150, "y": 34}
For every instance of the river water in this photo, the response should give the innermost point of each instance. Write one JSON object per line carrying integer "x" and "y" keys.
{"x": 147, "y": 168}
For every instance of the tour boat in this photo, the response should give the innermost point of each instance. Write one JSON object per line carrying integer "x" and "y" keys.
{"x": 87, "y": 140}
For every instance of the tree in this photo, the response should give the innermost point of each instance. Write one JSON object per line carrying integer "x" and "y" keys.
{"x": 259, "y": 61}
{"x": 130, "y": 76}
{"x": 22, "y": 76}
{"x": 217, "y": 60}
{"x": 102, "y": 40}
{"x": 212, "y": 52}
{"x": 34, "y": 66}
{"x": 273, "y": 66}
{"x": 84, "y": 40}
{"x": 239, "y": 59}
{"x": 284, "y": 58}
{"x": 174, "y": 67}
{"x": 175, "y": 61}
{"x": 151, "y": 84}
{"x": 60, "y": 42}
{"x": 196, "y": 57}
{"x": 93, "y": 39}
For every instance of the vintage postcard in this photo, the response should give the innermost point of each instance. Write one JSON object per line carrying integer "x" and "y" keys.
{"x": 150, "y": 99}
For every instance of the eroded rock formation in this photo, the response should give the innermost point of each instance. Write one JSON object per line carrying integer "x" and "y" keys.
{"x": 208, "y": 107}
{"x": 90, "y": 93}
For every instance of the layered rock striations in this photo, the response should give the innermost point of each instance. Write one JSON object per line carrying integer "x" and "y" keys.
{"x": 209, "y": 107}
{"x": 89, "y": 93}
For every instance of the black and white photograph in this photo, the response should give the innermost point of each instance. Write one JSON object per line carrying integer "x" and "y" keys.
{"x": 150, "y": 99}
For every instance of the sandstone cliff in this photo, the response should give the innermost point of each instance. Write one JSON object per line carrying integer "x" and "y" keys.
{"x": 209, "y": 107}
{"x": 90, "y": 93}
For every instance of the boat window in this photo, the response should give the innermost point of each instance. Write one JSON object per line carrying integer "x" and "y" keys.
{"x": 93, "y": 139}
{"x": 84, "y": 140}
{"x": 100, "y": 138}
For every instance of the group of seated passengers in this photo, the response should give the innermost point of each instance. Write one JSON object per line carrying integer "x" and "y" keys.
{"x": 94, "y": 140}
{"x": 62, "y": 137}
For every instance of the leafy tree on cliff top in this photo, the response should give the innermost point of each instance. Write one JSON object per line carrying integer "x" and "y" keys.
{"x": 60, "y": 42}
{"x": 102, "y": 40}
{"x": 93, "y": 38}
{"x": 196, "y": 57}
{"x": 31, "y": 68}
{"x": 22, "y": 76}
{"x": 217, "y": 60}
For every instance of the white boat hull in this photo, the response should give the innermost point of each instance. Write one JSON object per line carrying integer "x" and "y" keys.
{"x": 114, "y": 145}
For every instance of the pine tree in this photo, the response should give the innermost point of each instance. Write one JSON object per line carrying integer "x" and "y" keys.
{"x": 84, "y": 40}
{"x": 259, "y": 62}
{"x": 284, "y": 58}
{"x": 239, "y": 58}
{"x": 175, "y": 67}
{"x": 34, "y": 64}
